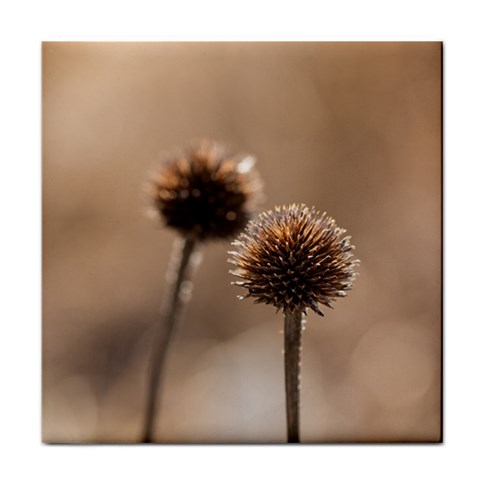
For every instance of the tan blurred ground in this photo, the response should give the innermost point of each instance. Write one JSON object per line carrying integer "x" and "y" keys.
{"x": 352, "y": 128}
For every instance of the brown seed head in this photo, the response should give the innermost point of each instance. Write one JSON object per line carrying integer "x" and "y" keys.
{"x": 206, "y": 192}
{"x": 294, "y": 258}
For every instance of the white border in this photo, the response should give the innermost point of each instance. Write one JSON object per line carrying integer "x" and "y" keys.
{"x": 26, "y": 24}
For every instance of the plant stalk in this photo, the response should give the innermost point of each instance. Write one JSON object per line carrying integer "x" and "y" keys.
{"x": 180, "y": 271}
{"x": 293, "y": 341}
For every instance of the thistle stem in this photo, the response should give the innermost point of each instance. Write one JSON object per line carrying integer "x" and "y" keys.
{"x": 180, "y": 271}
{"x": 293, "y": 340}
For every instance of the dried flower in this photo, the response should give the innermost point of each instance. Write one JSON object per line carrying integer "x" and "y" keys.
{"x": 294, "y": 258}
{"x": 206, "y": 192}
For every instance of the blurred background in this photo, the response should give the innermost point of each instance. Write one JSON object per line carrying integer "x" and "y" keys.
{"x": 351, "y": 128}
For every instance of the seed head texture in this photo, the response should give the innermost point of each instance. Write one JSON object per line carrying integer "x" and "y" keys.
{"x": 206, "y": 192}
{"x": 292, "y": 257}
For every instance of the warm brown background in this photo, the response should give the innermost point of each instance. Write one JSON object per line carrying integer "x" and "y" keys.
{"x": 352, "y": 128}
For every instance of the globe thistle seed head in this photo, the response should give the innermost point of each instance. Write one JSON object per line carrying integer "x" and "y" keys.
{"x": 294, "y": 258}
{"x": 206, "y": 192}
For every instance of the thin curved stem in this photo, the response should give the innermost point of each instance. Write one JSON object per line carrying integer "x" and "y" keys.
{"x": 293, "y": 342}
{"x": 181, "y": 269}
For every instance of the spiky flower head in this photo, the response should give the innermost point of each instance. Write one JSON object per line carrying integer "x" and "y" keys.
{"x": 293, "y": 258}
{"x": 206, "y": 192}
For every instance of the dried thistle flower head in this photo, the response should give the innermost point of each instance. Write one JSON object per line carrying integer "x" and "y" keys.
{"x": 206, "y": 192}
{"x": 294, "y": 258}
